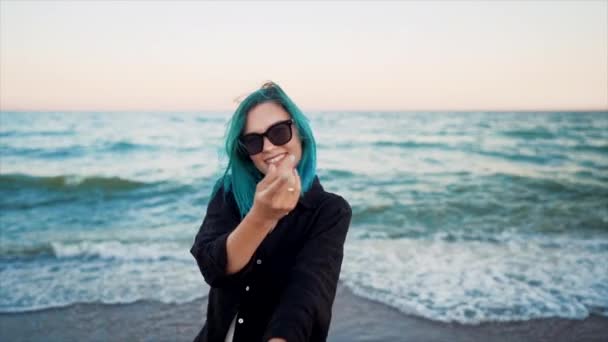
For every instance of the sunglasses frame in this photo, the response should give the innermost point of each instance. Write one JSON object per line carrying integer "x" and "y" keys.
{"x": 289, "y": 123}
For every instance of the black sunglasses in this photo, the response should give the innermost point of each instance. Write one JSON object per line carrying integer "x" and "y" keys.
{"x": 278, "y": 134}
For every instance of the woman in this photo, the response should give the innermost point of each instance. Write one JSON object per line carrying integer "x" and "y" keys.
{"x": 271, "y": 243}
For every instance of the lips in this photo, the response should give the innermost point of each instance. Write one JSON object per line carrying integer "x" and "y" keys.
{"x": 275, "y": 159}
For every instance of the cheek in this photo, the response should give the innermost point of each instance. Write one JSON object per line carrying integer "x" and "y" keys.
{"x": 257, "y": 160}
{"x": 297, "y": 150}
{"x": 297, "y": 146}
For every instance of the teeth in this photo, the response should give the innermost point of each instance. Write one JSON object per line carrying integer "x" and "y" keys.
{"x": 275, "y": 159}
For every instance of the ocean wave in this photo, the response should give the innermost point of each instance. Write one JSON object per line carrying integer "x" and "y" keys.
{"x": 72, "y": 151}
{"x": 533, "y": 133}
{"x": 552, "y": 185}
{"x": 212, "y": 119}
{"x": 67, "y": 282}
{"x": 335, "y": 174}
{"x": 19, "y": 134}
{"x": 126, "y": 146}
{"x": 411, "y": 144}
{"x": 602, "y": 149}
{"x": 150, "y": 251}
{"x": 490, "y": 203}
{"x": 522, "y": 157}
{"x": 26, "y": 252}
{"x": 68, "y": 182}
{"x": 370, "y": 210}
{"x": 107, "y": 249}
{"x": 474, "y": 281}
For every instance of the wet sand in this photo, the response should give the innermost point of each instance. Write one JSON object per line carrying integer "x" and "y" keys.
{"x": 354, "y": 319}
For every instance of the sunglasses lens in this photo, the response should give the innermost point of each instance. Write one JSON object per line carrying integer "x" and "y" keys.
{"x": 280, "y": 134}
{"x": 253, "y": 144}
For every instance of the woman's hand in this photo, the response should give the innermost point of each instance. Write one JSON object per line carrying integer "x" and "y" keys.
{"x": 277, "y": 339}
{"x": 278, "y": 193}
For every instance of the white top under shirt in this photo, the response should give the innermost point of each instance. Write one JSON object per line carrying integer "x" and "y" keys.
{"x": 230, "y": 333}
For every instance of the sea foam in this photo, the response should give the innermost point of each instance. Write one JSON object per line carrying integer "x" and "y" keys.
{"x": 479, "y": 281}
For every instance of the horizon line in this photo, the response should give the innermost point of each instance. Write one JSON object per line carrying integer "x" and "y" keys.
{"x": 497, "y": 110}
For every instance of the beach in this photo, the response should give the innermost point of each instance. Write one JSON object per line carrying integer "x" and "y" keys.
{"x": 354, "y": 319}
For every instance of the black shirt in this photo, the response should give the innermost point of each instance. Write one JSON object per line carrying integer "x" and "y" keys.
{"x": 288, "y": 286}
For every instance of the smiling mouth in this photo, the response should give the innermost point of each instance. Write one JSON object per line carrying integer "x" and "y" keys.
{"x": 275, "y": 159}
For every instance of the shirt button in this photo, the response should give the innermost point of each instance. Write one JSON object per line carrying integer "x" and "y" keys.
{"x": 240, "y": 321}
{"x": 247, "y": 288}
{"x": 259, "y": 261}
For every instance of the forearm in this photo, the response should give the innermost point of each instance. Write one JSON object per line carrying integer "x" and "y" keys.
{"x": 245, "y": 239}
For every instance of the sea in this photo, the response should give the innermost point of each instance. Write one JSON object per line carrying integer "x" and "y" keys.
{"x": 462, "y": 217}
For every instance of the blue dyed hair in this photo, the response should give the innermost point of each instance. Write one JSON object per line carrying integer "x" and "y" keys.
{"x": 241, "y": 176}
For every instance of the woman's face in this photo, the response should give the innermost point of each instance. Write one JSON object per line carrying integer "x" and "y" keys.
{"x": 259, "y": 119}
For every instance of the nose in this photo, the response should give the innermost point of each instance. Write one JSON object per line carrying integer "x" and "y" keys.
{"x": 268, "y": 146}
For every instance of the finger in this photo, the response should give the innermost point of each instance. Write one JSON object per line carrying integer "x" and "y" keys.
{"x": 291, "y": 163}
{"x": 270, "y": 176}
{"x": 287, "y": 163}
{"x": 297, "y": 180}
{"x": 285, "y": 168}
{"x": 294, "y": 186}
{"x": 274, "y": 186}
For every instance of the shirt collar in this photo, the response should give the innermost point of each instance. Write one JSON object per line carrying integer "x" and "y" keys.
{"x": 311, "y": 197}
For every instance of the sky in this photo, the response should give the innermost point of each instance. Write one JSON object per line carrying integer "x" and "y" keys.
{"x": 397, "y": 55}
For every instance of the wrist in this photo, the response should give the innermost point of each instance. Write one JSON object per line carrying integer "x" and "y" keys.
{"x": 261, "y": 220}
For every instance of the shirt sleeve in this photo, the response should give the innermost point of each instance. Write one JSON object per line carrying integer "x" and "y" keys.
{"x": 307, "y": 301}
{"x": 209, "y": 248}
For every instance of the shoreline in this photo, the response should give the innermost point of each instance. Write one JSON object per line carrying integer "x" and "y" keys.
{"x": 354, "y": 319}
